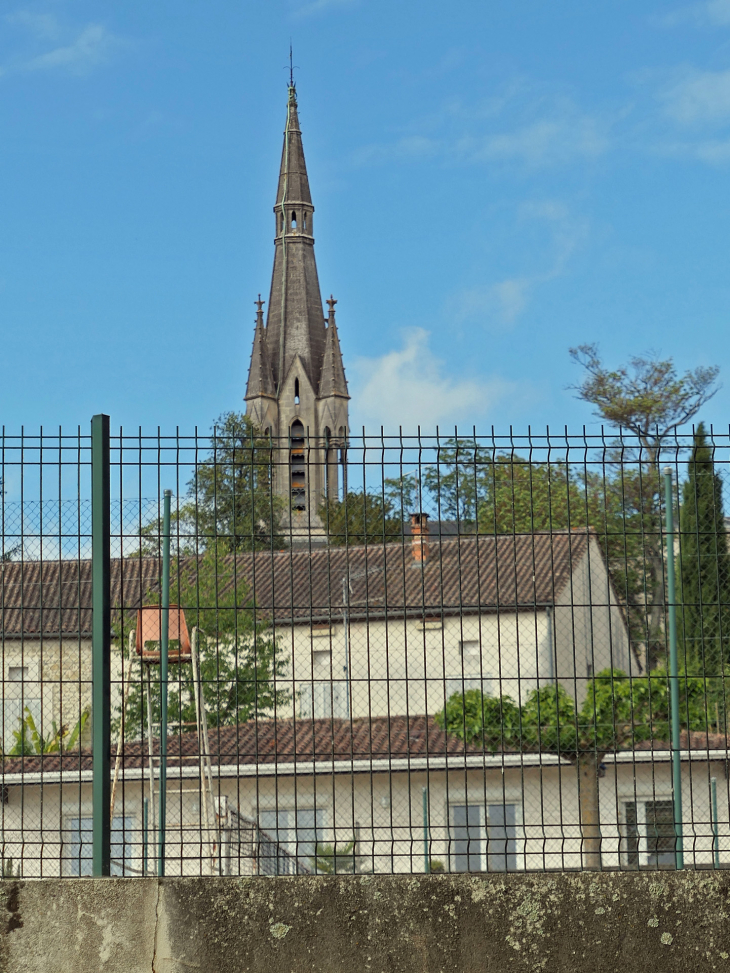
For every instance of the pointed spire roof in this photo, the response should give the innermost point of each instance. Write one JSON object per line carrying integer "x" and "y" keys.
{"x": 260, "y": 377}
{"x": 295, "y": 323}
{"x": 333, "y": 381}
{"x": 293, "y": 181}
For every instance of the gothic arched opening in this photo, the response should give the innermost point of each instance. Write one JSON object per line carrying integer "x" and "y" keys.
{"x": 297, "y": 465}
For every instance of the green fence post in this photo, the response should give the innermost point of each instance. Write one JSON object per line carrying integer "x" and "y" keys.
{"x": 164, "y": 630}
{"x": 426, "y": 856}
{"x": 101, "y": 644}
{"x": 673, "y": 671}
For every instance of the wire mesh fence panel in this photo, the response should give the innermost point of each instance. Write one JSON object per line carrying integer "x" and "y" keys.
{"x": 386, "y": 654}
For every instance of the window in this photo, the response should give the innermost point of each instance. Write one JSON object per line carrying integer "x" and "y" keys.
{"x": 475, "y": 848}
{"x": 472, "y": 675}
{"x": 78, "y": 840}
{"x": 322, "y": 699}
{"x": 21, "y": 693}
{"x": 649, "y": 838}
{"x": 296, "y": 391}
{"x": 297, "y": 831}
{"x": 294, "y": 221}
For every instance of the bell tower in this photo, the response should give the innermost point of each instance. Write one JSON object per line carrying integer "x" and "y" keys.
{"x": 297, "y": 391}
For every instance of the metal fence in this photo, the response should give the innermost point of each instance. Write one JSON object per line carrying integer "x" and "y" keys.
{"x": 375, "y": 654}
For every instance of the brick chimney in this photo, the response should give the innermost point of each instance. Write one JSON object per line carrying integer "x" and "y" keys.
{"x": 419, "y": 537}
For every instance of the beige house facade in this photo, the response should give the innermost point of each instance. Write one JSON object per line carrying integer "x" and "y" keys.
{"x": 406, "y": 808}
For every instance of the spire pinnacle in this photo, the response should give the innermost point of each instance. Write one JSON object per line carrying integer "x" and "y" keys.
{"x": 260, "y": 376}
{"x": 332, "y": 381}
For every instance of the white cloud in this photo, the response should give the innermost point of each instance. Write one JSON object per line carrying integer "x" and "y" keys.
{"x": 698, "y": 97}
{"x": 410, "y": 147}
{"x": 553, "y": 141}
{"x": 91, "y": 48}
{"x": 520, "y": 123}
{"x": 410, "y": 387}
{"x": 502, "y": 303}
{"x": 77, "y": 53}
{"x": 718, "y": 12}
{"x": 45, "y": 26}
{"x": 715, "y": 13}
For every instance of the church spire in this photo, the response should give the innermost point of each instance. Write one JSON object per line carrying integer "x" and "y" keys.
{"x": 295, "y": 323}
{"x": 297, "y": 391}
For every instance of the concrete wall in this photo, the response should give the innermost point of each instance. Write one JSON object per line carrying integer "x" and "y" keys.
{"x": 592, "y": 922}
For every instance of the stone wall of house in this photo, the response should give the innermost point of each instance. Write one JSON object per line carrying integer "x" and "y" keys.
{"x": 51, "y": 678}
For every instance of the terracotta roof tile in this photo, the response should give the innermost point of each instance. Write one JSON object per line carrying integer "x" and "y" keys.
{"x": 464, "y": 573}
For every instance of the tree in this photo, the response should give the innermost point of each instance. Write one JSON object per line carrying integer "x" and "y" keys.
{"x": 360, "y": 518}
{"x": 334, "y": 859}
{"x": 618, "y": 712}
{"x": 704, "y": 564}
{"x": 240, "y": 662}
{"x": 649, "y": 399}
{"x": 230, "y": 504}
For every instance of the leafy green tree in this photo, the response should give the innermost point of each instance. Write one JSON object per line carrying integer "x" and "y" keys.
{"x": 649, "y": 399}
{"x": 230, "y": 503}
{"x": 704, "y": 564}
{"x": 360, "y": 518}
{"x": 618, "y": 712}
{"x": 240, "y": 662}
{"x": 333, "y": 859}
{"x": 493, "y": 721}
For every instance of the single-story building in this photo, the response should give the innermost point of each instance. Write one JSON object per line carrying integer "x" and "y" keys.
{"x": 399, "y": 792}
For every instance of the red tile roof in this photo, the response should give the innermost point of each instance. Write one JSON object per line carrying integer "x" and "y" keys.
{"x": 306, "y": 741}
{"x": 463, "y": 574}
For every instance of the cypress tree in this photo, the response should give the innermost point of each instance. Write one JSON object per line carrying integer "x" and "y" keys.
{"x": 704, "y": 564}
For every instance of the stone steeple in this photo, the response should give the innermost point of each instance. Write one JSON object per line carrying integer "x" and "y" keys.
{"x": 297, "y": 388}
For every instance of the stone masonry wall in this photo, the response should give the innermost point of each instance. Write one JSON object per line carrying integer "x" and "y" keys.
{"x": 613, "y": 922}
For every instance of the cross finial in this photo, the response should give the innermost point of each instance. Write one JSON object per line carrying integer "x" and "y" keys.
{"x": 331, "y": 301}
{"x": 292, "y": 68}
{"x": 259, "y": 304}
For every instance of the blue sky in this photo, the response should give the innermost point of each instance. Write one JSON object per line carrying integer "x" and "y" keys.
{"x": 494, "y": 182}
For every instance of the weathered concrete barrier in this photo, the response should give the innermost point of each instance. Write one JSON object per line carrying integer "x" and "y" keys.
{"x": 404, "y": 924}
